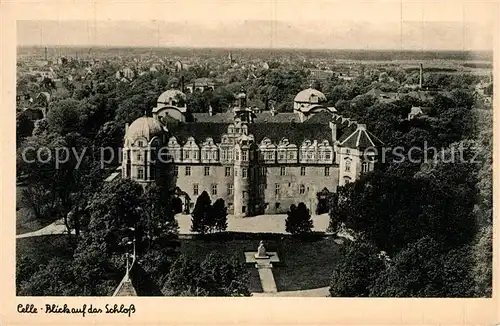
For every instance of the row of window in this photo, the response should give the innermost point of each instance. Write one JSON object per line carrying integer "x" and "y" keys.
{"x": 266, "y": 155}
{"x": 229, "y": 187}
{"x": 244, "y": 171}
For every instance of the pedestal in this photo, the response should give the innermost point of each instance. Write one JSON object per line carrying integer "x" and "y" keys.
{"x": 264, "y": 267}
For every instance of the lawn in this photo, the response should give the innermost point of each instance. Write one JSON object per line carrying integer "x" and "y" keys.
{"x": 304, "y": 264}
{"x": 25, "y": 220}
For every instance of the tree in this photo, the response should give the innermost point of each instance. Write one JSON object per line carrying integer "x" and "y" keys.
{"x": 424, "y": 269}
{"x": 63, "y": 116}
{"x": 53, "y": 279}
{"x": 219, "y": 215}
{"x": 24, "y": 126}
{"x": 201, "y": 216}
{"x": 355, "y": 271}
{"x": 214, "y": 276}
{"x": 298, "y": 220}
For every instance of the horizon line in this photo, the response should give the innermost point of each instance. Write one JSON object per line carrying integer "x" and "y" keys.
{"x": 250, "y": 48}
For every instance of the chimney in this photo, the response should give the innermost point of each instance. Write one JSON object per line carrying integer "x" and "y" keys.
{"x": 45, "y": 53}
{"x": 421, "y": 76}
{"x": 210, "y": 110}
{"x": 333, "y": 127}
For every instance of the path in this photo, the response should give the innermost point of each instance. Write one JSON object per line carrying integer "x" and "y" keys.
{"x": 318, "y": 293}
{"x": 254, "y": 224}
{"x": 57, "y": 227}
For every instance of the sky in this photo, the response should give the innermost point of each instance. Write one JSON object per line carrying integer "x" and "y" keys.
{"x": 264, "y": 24}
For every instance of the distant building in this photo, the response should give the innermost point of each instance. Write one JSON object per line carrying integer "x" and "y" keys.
{"x": 416, "y": 111}
{"x": 200, "y": 85}
{"x": 258, "y": 162}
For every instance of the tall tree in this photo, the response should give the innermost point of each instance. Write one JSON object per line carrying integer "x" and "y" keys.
{"x": 202, "y": 213}
{"x": 298, "y": 220}
{"x": 219, "y": 215}
{"x": 355, "y": 271}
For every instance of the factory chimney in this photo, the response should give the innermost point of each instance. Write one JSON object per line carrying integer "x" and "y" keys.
{"x": 421, "y": 76}
{"x": 45, "y": 53}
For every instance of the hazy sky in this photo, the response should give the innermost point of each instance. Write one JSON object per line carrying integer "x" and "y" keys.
{"x": 304, "y": 24}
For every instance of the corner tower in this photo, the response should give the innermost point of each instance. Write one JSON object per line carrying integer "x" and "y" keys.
{"x": 143, "y": 138}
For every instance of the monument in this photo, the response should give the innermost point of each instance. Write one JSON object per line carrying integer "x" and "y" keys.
{"x": 261, "y": 251}
{"x": 263, "y": 262}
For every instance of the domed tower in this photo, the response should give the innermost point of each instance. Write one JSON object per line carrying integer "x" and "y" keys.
{"x": 243, "y": 175}
{"x": 310, "y": 101}
{"x": 143, "y": 139}
{"x": 171, "y": 103}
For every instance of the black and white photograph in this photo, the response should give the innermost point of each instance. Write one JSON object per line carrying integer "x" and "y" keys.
{"x": 338, "y": 156}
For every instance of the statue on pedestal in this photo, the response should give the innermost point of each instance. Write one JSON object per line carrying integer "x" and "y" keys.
{"x": 261, "y": 251}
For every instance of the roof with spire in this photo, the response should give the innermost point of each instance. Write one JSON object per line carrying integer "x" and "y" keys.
{"x": 360, "y": 138}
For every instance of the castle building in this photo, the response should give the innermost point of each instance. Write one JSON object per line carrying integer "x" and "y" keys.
{"x": 259, "y": 162}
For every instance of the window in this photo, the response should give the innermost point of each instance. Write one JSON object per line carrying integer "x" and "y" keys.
{"x": 245, "y": 195}
{"x": 237, "y": 155}
{"x": 327, "y": 171}
{"x": 195, "y": 189}
{"x": 188, "y": 170}
{"x": 302, "y": 170}
{"x": 186, "y": 154}
{"x": 140, "y": 143}
{"x": 228, "y": 171}
{"x": 139, "y": 156}
{"x": 243, "y": 209}
{"x": 347, "y": 165}
{"x": 277, "y": 188}
{"x": 264, "y": 170}
{"x": 347, "y": 151}
{"x": 229, "y": 189}
{"x": 302, "y": 189}
{"x": 328, "y": 155}
{"x": 281, "y": 155}
{"x": 243, "y": 173}
{"x": 214, "y": 190}
{"x": 224, "y": 155}
{"x": 277, "y": 205}
{"x": 235, "y": 172}
{"x": 283, "y": 171}
{"x": 206, "y": 170}
{"x": 176, "y": 170}
{"x": 364, "y": 167}
{"x": 291, "y": 155}
{"x": 140, "y": 173}
{"x": 244, "y": 155}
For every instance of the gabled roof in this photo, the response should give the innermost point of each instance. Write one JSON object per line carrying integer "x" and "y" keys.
{"x": 296, "y": 132}
{"x": 199, "y": 130}
{"x": 125, "y": 288}
{"x": 360, "y": 139}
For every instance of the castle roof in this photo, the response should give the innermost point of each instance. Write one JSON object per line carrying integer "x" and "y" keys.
{"x": 310, "y": 95}
{"x": 360, "y": 139}
{"x": 146, "y": 127}
{"x": 167, "y": 96}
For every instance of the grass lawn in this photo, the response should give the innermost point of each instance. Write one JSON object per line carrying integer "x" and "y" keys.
{"x": 25, "y": 219}
{"x": 42, "y": 249}
{"x": 304, "y": 264}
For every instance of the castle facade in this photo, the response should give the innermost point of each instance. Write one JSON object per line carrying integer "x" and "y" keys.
{"x": 259, "y": 162}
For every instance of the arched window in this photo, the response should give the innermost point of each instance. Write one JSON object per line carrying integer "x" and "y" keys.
{"x": 347, "y": 165}
{"x": 302, "y": 189}
{"x": 364, "y": 167}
